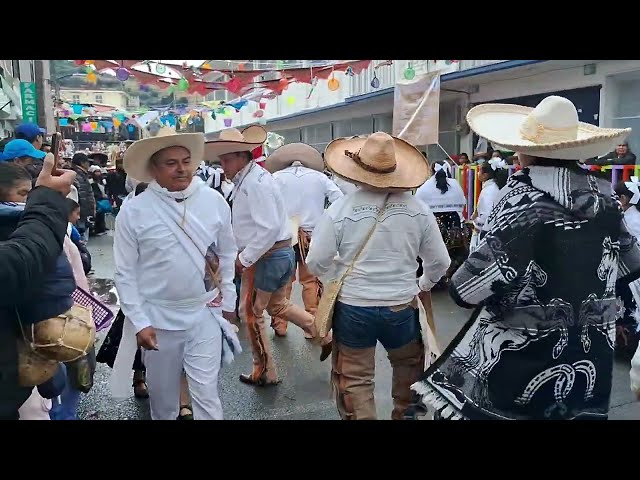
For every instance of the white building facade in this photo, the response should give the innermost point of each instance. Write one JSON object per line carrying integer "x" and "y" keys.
{"x": 12, "y": 72}
{"x": 606, "y": 93}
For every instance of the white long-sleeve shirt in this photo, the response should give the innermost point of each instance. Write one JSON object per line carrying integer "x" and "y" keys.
{"x": 304, "y": 191}
{"x": 155, "y": 278}
{"x": 259, "y": 213}
{"x": 486, "y": 201}
{"x": 385, "y": 272}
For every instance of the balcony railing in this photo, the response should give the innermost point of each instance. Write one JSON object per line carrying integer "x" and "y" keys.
{"x": 361, "y": 84}
{"x": 467, "y": 64}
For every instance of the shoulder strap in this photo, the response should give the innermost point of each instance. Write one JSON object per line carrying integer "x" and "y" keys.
{"x": 366, "y": 240}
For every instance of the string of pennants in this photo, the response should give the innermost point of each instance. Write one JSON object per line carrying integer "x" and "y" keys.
{"x": 239, "y": 81}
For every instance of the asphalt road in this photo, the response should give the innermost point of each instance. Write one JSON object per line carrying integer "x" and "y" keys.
{"x": 305, "y": 392}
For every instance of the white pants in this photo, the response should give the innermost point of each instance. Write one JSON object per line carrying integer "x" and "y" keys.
{"x": 197, "y": 350}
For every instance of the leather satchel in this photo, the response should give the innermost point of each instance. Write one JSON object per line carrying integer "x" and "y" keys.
{"x": 326, "y": 306}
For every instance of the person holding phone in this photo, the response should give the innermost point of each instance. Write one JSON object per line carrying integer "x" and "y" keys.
{"x": 26, "y": 257}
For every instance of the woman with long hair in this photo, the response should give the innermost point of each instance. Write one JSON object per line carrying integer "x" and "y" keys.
{"x": 493, "y": 175}
{"x": 445, "y": 198}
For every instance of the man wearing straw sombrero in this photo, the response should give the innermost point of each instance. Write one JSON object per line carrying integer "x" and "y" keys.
{"x": 263, "y": 234}
{"x": 174, "y": 253}
{"x": 298, "y": 170}
{"x": 543, "y": 279}
{"x": 367, "y": 244}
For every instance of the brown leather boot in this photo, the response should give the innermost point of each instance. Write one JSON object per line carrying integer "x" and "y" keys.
{"x": 408, "y": 365}
{"x": 140, "y": 389}
{"x": 352, "y": 375}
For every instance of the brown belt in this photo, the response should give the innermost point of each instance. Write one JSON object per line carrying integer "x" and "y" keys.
{"x": 279, "y": 245}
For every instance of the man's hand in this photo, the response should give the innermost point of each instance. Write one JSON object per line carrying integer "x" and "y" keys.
{"x": 230, "y": 316}
{"x": 147, "y": 338}
{"x": 240, "y": 268}
{"x": 58, "y": 180}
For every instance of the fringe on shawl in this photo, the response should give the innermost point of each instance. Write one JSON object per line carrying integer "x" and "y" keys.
{"x": 432, "y": 398}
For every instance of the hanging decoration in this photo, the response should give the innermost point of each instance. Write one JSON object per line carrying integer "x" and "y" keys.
{"x": 262, "y": 105}
{"x": 79, "y": 62}
{"x": 213, "y": 114}
{"x": 349, "y": 72}
{"x": 122, "y": 74}
{"x": 409, "y": 73}
{"x": 228, "y": 122}
{"x": 279, "y": 64}
{"x": 160, "y": 68}
{"x": 333, "y": 83}
{"x": 313, "y": 86}
{"x": 90, "y": 62}
{"x": 259, "y": 114}
{"x": 183, "y": 84}
{"x": 375, "y": 81}
{"x": 92, "y": 77}
{"x": 241, "y": 67}
{"x": 291, "y": 100}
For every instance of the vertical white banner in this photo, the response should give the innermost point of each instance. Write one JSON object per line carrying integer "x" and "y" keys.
{"x": 416, "y": 109}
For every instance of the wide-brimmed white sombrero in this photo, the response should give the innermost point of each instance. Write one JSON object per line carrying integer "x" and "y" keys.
{"x": 285, "y": 155}
{"x": 137, "y": 156}
{"x": 378, "y": 160}
{"x": 232, "y": 140}
{"x": 551, "y": 130}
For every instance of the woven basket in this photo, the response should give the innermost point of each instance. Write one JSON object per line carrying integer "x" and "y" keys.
{"x": 64, "y": 338}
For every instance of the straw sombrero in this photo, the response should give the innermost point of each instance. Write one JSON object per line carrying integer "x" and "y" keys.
{"x": 233, "y": 140}
{"x": 550, "y": 130}
{"x": 379, "y": 161}
{"x": 137, "y": 156}
{"x": 284, "y": 156}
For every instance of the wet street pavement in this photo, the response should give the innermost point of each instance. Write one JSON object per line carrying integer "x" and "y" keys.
{"x": 305, "y": 392}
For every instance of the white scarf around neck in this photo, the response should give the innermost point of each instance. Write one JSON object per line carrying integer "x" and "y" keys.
{"x": 194, "y": 186}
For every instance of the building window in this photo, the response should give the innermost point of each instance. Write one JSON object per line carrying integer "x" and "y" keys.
{"x": 318, "y": 136}
{"x": 99, "y": 98}
{"x": 291, "y": 136}
{"x": 626, "y": 108}
{"x": 75, "y": 98}
{"x": 32, "y": 67}
{"x": 383, "y": 123}
{"x": 15, "y": 65}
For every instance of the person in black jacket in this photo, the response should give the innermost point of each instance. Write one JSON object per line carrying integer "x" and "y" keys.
{"x": 81, "y": 164}
{"x": 622, "y": 155}
{"x": 26, "y": 258}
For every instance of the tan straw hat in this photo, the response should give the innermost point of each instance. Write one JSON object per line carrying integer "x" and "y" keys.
{"x": 233, "y": 140}
{"x": 294, "y": 152}
{"x": 550, "y": 130}
{"x": 379, "y": 161}
{"x": 137, "y": 156}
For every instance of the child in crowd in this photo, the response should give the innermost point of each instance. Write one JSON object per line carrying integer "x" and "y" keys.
{"x": 65, "y": 407}
{"x": 74, "y": 235}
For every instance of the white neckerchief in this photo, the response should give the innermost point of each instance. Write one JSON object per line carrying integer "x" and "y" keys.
{"x": 196, "y": 183}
